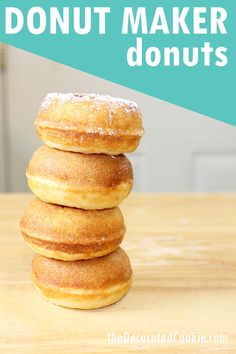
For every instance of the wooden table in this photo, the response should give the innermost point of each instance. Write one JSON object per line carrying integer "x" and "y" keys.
{"x": 183, "y": 252}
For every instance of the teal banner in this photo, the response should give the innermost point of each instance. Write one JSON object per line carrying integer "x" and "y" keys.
{"x": 183, "y": 52}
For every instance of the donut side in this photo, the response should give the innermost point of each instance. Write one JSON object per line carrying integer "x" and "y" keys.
{"x": 82, "y": 299}
{"x": 88, "y": 143}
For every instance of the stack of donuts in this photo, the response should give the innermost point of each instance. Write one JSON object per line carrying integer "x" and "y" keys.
{"x": 79, "y": 178}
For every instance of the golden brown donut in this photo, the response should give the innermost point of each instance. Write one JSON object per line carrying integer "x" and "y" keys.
{"x": 79, "y": 180}
{"x": 89, "y": 123}
{"x": 70, "y": 234}
{"x": 83, "y": 284}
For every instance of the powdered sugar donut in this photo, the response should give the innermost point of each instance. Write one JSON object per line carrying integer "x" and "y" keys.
{"x": 89, "y": 123}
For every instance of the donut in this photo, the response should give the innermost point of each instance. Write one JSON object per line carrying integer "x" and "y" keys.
{"x": 85, "y": 284}
{"x": 86, "y": 181}
{"x": 89, "y": 123}
{"x": 71, "y": 234}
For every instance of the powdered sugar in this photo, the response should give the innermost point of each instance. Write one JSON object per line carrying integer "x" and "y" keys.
{"x": 113, "y": 102}
{"x": 62, "y": 97}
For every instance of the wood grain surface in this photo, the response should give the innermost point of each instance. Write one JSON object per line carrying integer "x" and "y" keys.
{"x": 183, "y": 252}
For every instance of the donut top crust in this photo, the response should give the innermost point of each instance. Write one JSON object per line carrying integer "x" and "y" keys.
{"x": 52, "y": 222}
{"x": 94, "y": 273}
{"x": 90, "y": 113}
{"x": 80, "y": 169}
